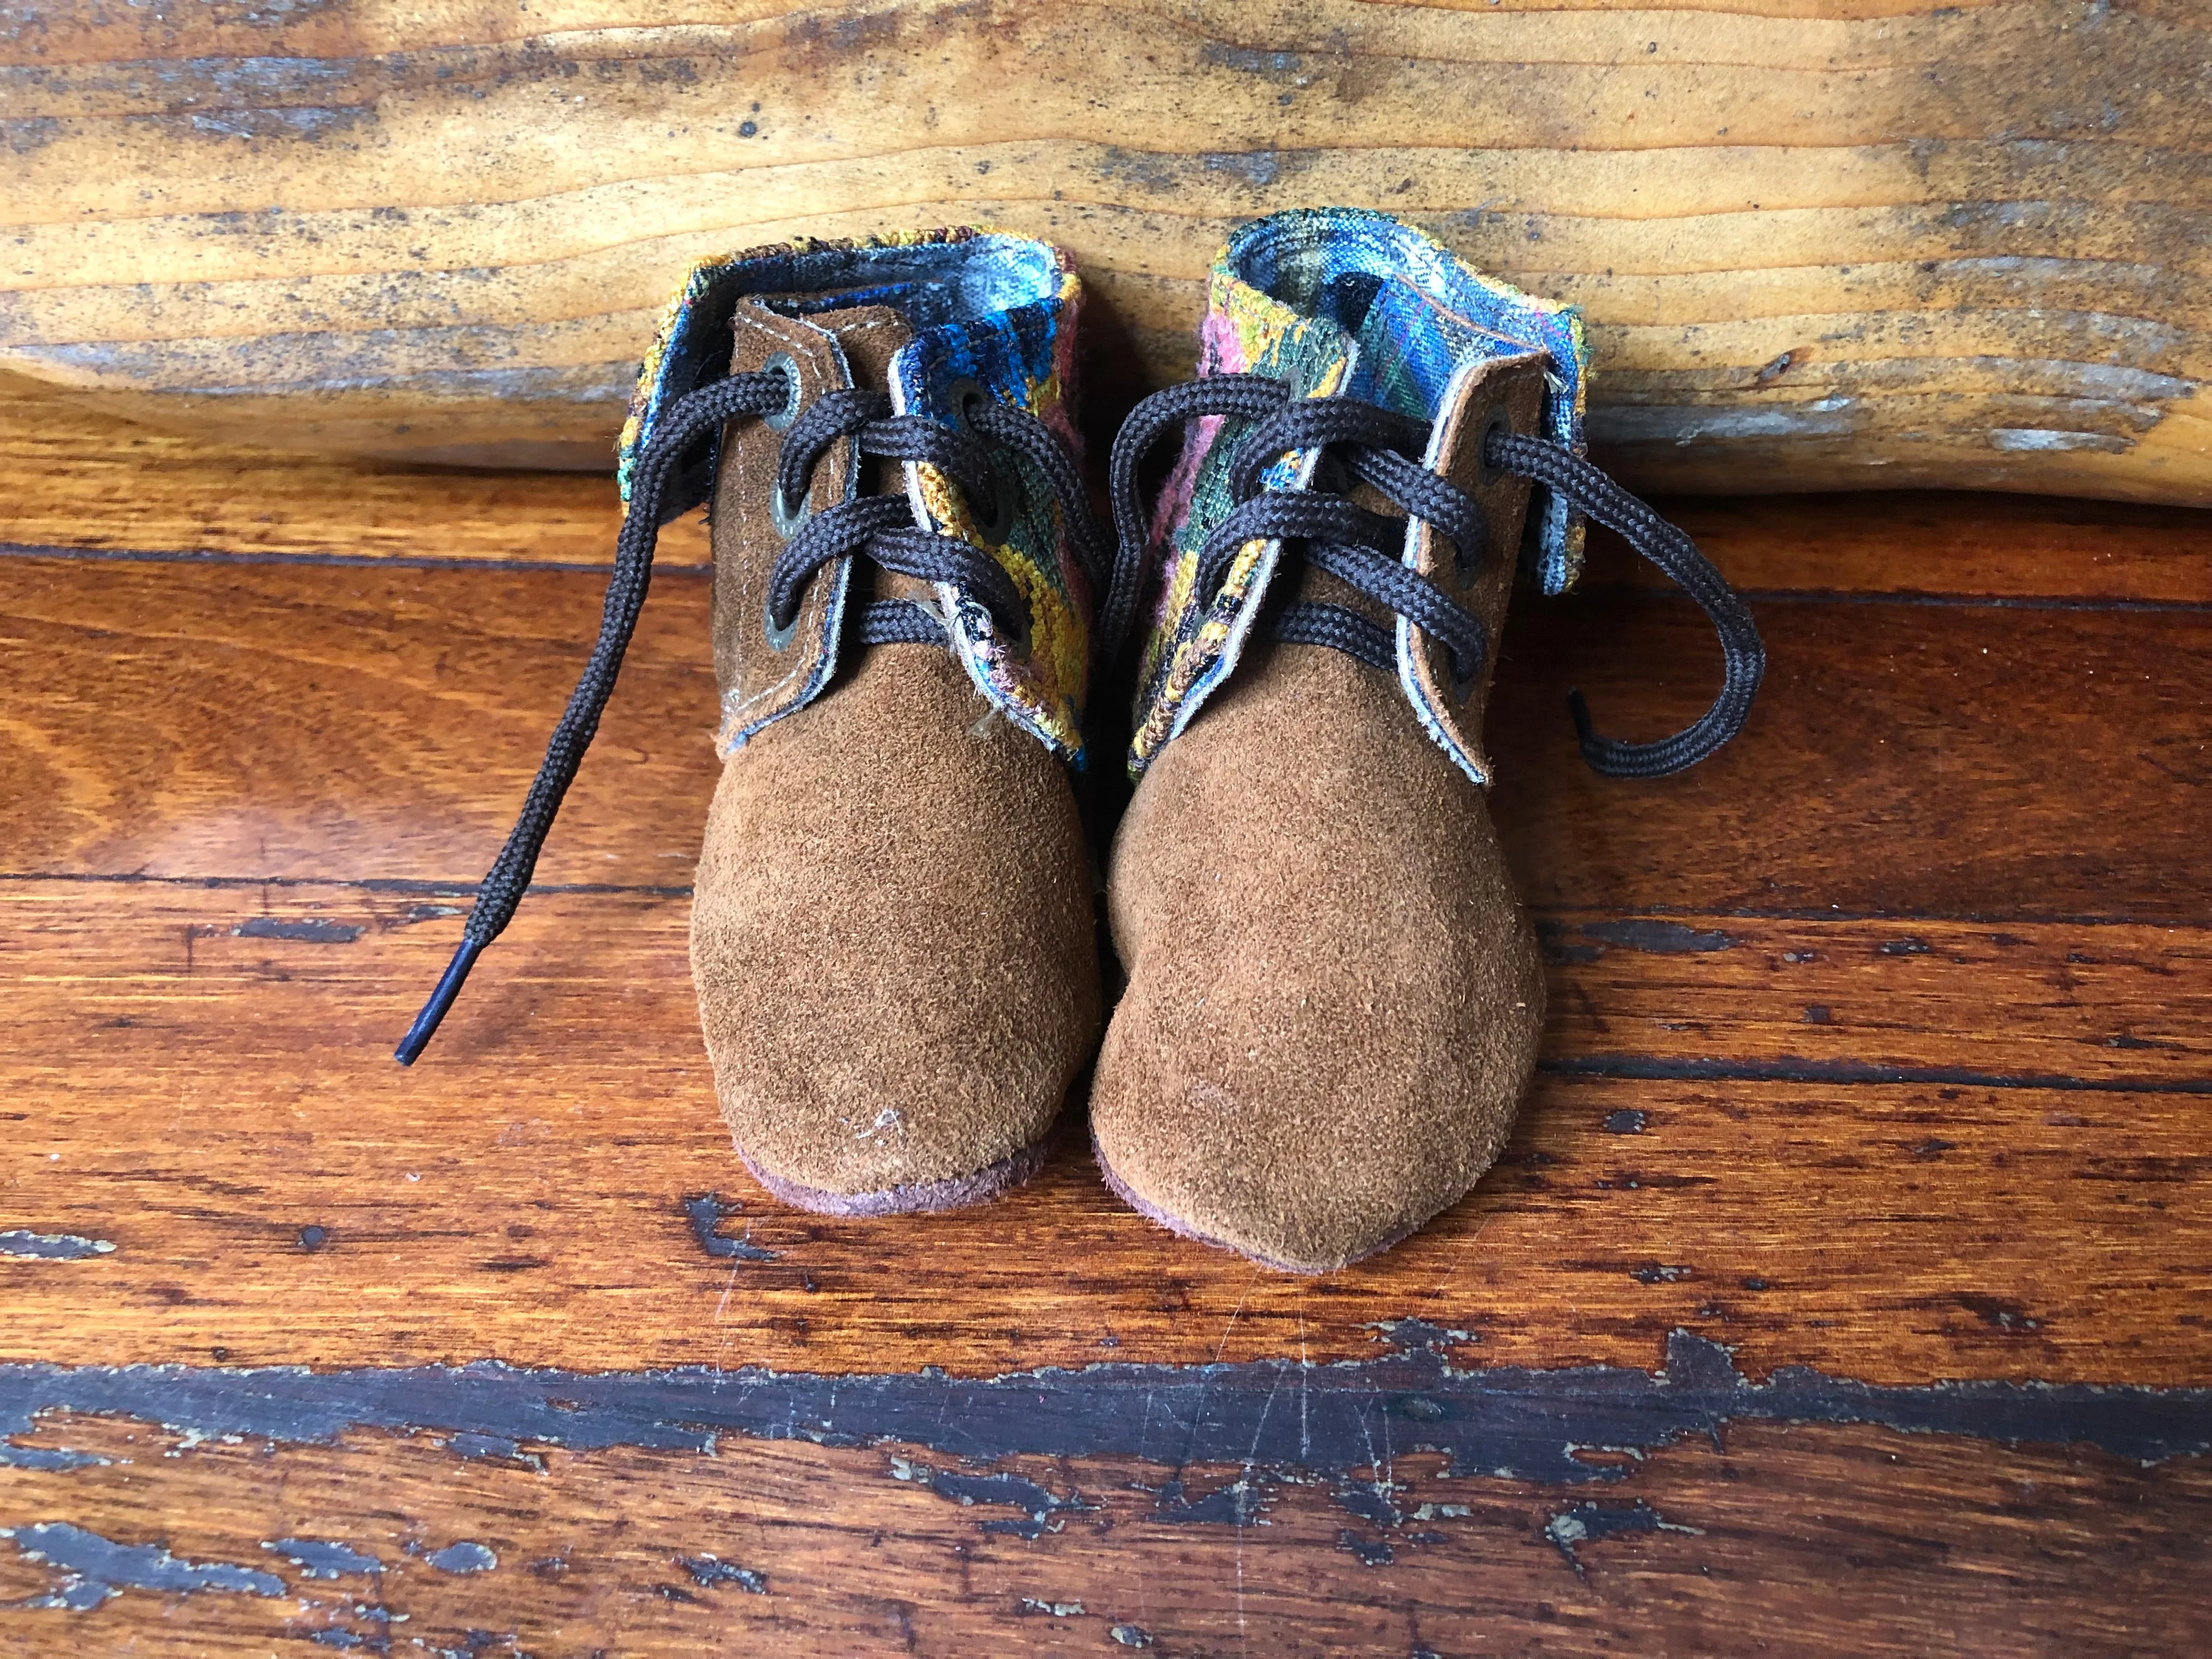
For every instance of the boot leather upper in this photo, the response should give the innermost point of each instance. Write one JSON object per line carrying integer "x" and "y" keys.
{"x": 892, "y": 933}
{"x": 1334, "y": 998}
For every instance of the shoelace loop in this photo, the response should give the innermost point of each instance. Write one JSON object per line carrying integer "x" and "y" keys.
{"x": 673, "y": 472}
{"x": 1364, "y": 548}
{"x": 882, "y": 526}
{"x": 1743, "y": 655}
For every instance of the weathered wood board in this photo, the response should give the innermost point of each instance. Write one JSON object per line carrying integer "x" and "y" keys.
{"x": 1847, "y": 1287}
{"x": 1823, "y": 244}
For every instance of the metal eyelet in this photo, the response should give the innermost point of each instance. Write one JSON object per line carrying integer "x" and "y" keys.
{"x": 789, "y": 412}
{"x": 785, "y": 521}
{"x": 1496, "y": 420}
{"x": 779, "y": 639}
{"x": 963, "y": 395}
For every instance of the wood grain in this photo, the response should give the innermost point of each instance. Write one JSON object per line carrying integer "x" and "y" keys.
{"x": 1994, "y": 761}
{"x": 521, "y": 1193}
{"x": 111, "y": 486}
{"x": 116, "y": 487}
{"x": 1950, "y": 545}
{"x": 1836, "y": 245}
{"x": 1846, "y": 1287}
{"x": 1841, "y": 1540}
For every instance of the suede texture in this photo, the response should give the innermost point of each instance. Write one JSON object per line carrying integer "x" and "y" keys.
{"x": 1334, "y": 998}
{"x": 892, "y": 931}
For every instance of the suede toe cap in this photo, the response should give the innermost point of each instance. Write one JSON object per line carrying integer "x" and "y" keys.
{"x": 1307, "y": 1119}
{"x": 892, "y": 941}
{"x": 1334, "y": 998}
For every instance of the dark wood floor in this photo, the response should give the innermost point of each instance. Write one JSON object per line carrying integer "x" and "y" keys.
{"x": 1846, "y": 1288}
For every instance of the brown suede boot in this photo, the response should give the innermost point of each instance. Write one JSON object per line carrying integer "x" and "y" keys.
{"x": 892, "y": 931}
{"x": 1334, "y": 999}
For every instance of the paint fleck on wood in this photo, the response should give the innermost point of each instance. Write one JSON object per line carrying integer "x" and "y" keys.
{"x": 89, "y": 1569}
{"x": 1573, "y": 1527}
{"x": 308, "y": 930}
{"x": 465, "y": 1556}
{"x": 323, "y": 1558}
{"x": 707, "y": 1212}
{"x": 52, "y": 1247}
{"x": 1507, "y": 1420}
{"x": 708, "y": 1571}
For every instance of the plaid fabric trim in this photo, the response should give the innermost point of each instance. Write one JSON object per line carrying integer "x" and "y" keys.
{"x": 1000, "y": 310}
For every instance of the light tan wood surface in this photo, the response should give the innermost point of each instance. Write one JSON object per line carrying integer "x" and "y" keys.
{"x": 1820, "y": 243}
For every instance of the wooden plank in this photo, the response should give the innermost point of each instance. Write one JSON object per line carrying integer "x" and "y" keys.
{"x": 1877, "y": 1048}
{"x": 392, "y": 718}
{"x": 1845, "y": 245}
{"x": 1894, "y": 764}
{"x": 2096, "y": 1007}
{"x": 91, "y": 481}
{"x": 1892, "y": 543}
{"x": 200, "y": 1077}
{"x": 1837, "y": 1540}
{"x": 1903, "y": 760}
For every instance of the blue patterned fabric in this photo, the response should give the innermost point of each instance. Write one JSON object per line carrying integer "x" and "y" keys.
{"x": 1336, "y": 301}
{"x": 1416, "y": 310}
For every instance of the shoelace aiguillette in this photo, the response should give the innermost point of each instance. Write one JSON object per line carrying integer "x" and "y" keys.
{"x": 675, "y": 471}
{"x": 1364, "y": 548}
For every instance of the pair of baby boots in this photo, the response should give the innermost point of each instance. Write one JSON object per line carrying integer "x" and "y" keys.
{"x": 933, "y": 662}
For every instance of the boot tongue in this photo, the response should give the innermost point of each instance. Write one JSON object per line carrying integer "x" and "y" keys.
{"x": 870, "y": 337}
